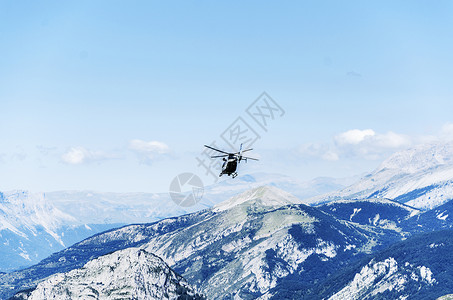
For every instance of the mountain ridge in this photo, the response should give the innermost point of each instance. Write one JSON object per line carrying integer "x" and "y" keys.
{"x": 421, "y": 177}
{"x": 71, "y": 216}
{"x": 131, "y": 273}
{"x": 260, "y": 244}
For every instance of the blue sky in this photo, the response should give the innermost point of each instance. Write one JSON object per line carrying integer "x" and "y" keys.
{"x": 121, "y": 96}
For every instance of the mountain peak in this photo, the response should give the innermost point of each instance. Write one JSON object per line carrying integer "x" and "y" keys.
{"x": 421, "y": 177}
{"x": 126, "y": 274}
{"x": 420, "y": 157}
{"x": 265, "y": 195}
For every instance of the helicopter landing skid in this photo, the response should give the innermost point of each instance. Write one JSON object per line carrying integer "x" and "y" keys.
{"x": 233, "y": 175}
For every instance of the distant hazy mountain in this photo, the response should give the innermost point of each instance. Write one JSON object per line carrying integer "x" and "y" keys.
{"x": 256, "y": 244}
{"x": 126, "y": 274}
{"x": 107, "y": 208}
{"x": 103, "y": 208}
{"x": 420, "y": 177}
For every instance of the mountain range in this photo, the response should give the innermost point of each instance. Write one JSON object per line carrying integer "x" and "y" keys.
{"x": 420, "y": 177}
{"x": 34, "y": 225}
{"x": 380, "y": 238}
{"x": 244, "y": 247}
{"x": 258, "y": 244}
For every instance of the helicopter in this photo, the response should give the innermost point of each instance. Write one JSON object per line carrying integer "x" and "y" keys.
{"x": 231, "y": 160}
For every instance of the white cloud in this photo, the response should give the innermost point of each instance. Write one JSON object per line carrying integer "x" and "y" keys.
{"x": 148, "y": 151}
{"x": 330, "y": 156}
{"x": 19, "y": 156}
{"x": 354, "y": 136}
{"x": 357, "y": 143}
{"x": 362, "y": 147}
{"x": 80, "y": 155}
{"x": 318, "y": 150}
{"x": 370, "y": 145}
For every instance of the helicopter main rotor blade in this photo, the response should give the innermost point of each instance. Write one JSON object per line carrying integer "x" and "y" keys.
{"x": 250, "y": 158}
{"x": 216, "y": 149}
{"x": 244, "y": 151}
{"x": 216, "y": 156}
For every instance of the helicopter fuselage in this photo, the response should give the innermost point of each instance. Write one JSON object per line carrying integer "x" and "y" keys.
{"x": 229, "y": 166}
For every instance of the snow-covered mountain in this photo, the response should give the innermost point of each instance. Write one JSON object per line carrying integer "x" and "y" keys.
{"x": 132, "y": 273}
{"x": 253, "y": 245}
{"x": 22, "y": 211}
{"x": 263, "y": 243}
{"x": 31, "y": 228}
{"x": 420, "y": 177}
{"x": 267, "y": 196}
{"x": 229, "y": 187}
{"x": 34, "y": 225}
